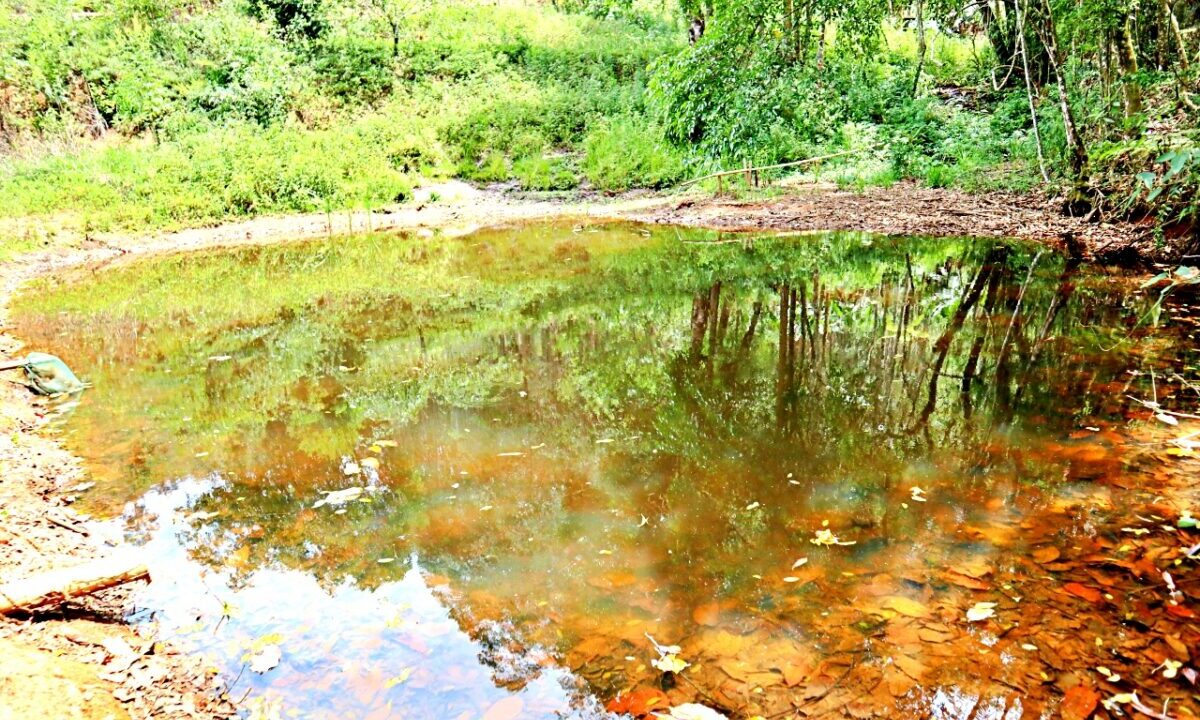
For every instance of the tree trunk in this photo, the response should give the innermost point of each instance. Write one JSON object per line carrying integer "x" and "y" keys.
{"x": 1177, "y": 34}
{"x": 1127, "y": 56}
{"x": 1075, "y": 146}
{"x": 920, "y": 46}
{"x": 1024, "y": 50}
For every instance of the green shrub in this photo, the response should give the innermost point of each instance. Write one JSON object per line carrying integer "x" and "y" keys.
{"x": 625, "y": 152}
{"x": 544, "y": 173}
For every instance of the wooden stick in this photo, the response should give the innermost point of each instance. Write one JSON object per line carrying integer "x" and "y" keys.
{"x": 747, "y": 170}
{"x": 12, "y": 364}
{"x": 55, "y": 586}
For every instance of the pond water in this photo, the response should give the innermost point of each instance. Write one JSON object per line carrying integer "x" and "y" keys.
{"x": 481, "y": 477}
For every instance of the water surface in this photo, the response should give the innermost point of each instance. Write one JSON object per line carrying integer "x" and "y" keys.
{"x": 547, "y": 445}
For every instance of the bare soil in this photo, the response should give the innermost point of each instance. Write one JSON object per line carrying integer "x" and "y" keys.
{"x": 80, "y": 660}
{"x": 909, "y": 209}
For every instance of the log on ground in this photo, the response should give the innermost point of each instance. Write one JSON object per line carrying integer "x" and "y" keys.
{"x": 55, "y": 586}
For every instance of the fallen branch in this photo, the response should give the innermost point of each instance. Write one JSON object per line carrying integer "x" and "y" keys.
{"x": 743, "y": 171}
{"x": 55, "y": 586}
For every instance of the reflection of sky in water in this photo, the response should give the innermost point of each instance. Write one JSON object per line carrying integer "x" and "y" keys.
{"x": 347, "y": 651}
{"x": 591, "y": 452}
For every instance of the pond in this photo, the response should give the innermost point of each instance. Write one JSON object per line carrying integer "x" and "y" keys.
{"x": 496, "y": 476}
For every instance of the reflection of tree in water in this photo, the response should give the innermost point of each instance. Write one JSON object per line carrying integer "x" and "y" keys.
{"x": 717, "y": 371}
{"x": 753, "y": 366}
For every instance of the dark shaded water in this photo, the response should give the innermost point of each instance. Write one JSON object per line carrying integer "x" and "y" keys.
{"x": 470, "y": 477}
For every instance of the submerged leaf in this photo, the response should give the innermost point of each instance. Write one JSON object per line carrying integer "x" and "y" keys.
{"x": 266, "y": 658}
{"x": 339, "y": 497}
{"x": 1092, "y": 595}
{"x": 981, "y": 611}
{"x": 693, "y": 711}
{"x": 906, "y": 606}
{"x": 1079, "y": 703}
{"x": 670, "y": 663}
{"x": 826, "y": 537}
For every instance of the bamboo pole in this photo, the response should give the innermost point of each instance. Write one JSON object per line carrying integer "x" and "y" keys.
{"x": 794, "y": 163}
{"x": 55, "y": 586}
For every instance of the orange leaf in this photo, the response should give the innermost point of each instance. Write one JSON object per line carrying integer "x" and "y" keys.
{"x": 1092, "y": 595}
{"x": 1079, "y": 703}
{"x": 638, "y": 703}
{"x": 707, "y": 614}
{"x": 1180, "y": 611}
{"x": 964, "y": 581}
{"x": 1046, "y": 554}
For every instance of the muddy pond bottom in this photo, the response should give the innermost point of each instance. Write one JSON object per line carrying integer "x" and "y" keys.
{"x": 559, "y": 471}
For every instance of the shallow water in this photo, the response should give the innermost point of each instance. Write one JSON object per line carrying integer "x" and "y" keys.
{"x": 547, "y": 445}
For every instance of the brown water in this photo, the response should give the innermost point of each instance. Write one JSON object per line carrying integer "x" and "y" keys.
{"x": 551, "y": 444}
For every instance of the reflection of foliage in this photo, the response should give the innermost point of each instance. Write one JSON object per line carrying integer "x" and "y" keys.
{"x": 714, "y": 370}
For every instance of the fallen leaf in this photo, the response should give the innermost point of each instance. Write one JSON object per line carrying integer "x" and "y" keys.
{"x": 708, "y": 614}
{"x": 965, "y": 581}
{"x": 800, "y": 563}
{"x": 670, "y": 663}
{"x": 933, "y": 636}
{"x": 1079, "y": 703}
{"x": 912, "y": 668}
{"x": 339, "y": 497}
{"x": 399, "y": 679}
{"x": 265, "y": 659}
{"x": 826, "y": 537}
{"x": 1047, "y": 554}
{"x": 693, "y": 711}
{"x": 639, "y": 703}
{"x": 981, "y": 611}
{"x": 1092, "y": 595}
{"x": 976, "y": 569}
{"x": 906, "y": 606}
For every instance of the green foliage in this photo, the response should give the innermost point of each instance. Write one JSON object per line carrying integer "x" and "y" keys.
{"x": 237, "y": 171}
{"x": 295, "y": 19}
{"x": 492, "y": 93}
{"x": 544, "y": 173}
{"x": 487, "y": 93}
{"x": 625, "y": 152}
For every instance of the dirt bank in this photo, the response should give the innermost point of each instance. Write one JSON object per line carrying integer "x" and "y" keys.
{"x": 81, "y": 661}
{"x": 909, "y": 209}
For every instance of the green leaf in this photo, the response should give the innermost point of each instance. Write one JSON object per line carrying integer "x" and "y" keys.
{"x": 1177, "y": 163}
{"x": 1147, "y": 178}
{"x": 1154, "y": 280}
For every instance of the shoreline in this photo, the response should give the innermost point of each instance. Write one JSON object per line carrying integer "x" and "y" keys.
{"x": 82, "y": 660}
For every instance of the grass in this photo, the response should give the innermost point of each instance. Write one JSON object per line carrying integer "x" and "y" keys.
{"x": 249, "y": 125}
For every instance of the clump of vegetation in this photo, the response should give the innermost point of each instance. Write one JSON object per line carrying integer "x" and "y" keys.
{"x": 155, "y": 113}
{"x": 241, "y": 108}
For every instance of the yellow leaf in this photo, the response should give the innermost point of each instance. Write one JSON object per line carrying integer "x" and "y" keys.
{"x": 402, "y": 677}
{"x": 670, "y": 663}
{"x": 906, "y": 606}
